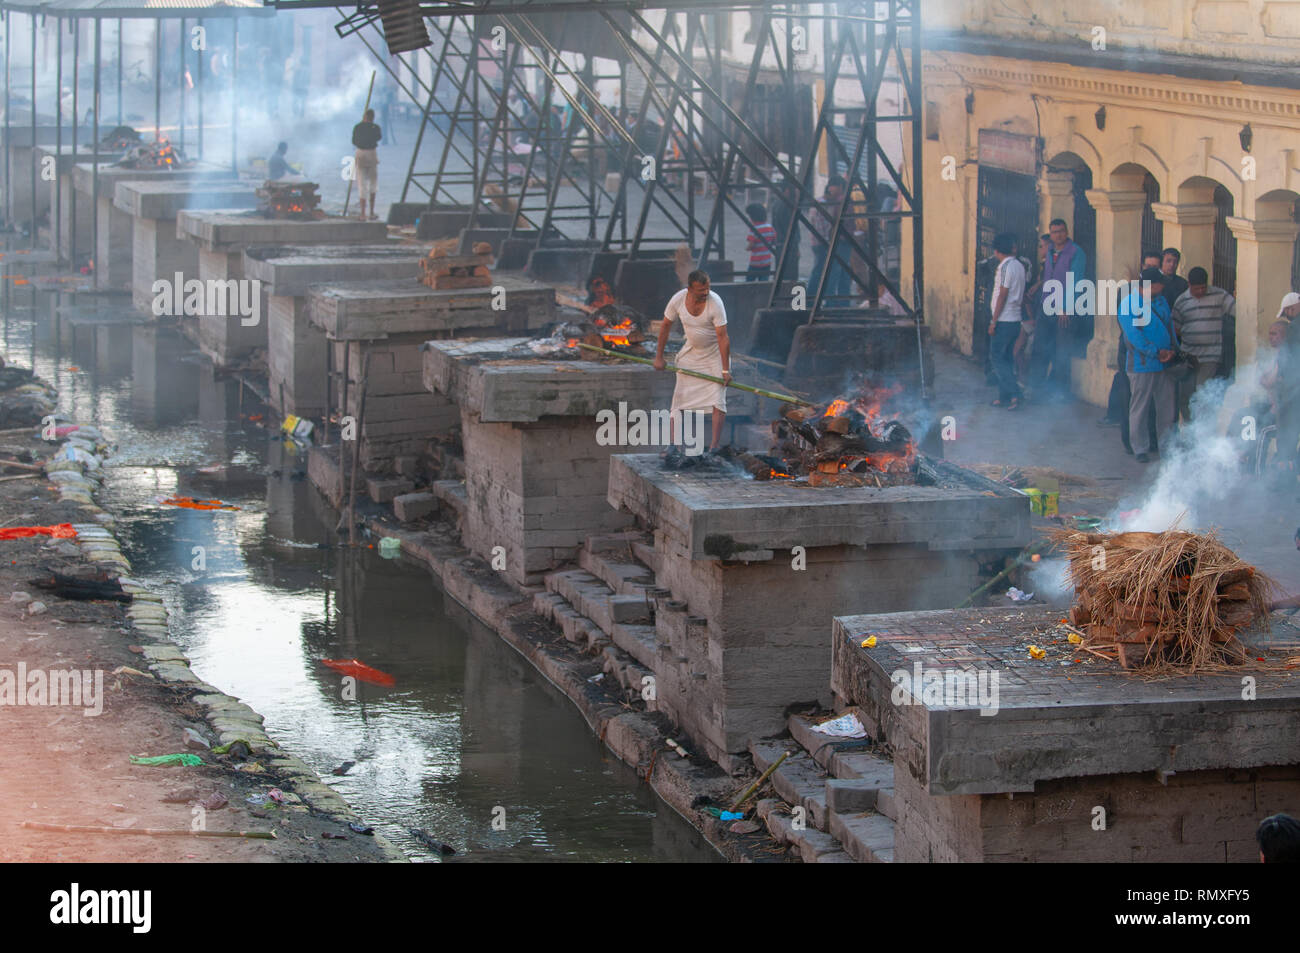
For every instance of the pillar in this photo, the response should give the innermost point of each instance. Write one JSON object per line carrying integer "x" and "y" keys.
{"x": 1189, "y": 227}
{"x": 1264, "y": 250}
{"x": 1057, "y": 191}
{"x": 1119, "y": 247}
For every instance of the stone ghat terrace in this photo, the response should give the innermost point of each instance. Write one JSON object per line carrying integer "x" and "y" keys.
{"x": 228, "y": 228}
{"x": 1180, "y": 768}
{"x": 722, "y": 513}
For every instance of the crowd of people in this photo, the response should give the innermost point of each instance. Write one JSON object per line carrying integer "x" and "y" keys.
{"x": 1176, "y": 334}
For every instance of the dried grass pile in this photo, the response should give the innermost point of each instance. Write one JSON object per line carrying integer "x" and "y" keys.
{"x": 1174, "y": 599}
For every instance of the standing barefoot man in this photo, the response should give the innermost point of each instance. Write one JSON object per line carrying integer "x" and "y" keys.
{"x": 707, "y": 350}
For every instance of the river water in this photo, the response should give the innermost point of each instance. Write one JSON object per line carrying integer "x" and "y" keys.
{"x": 469, "y": 733}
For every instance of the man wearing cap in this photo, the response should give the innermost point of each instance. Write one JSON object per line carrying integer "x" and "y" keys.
{"x": 1200, "y": 315}
{"x": 1148, "y": 332}
{"x": 1290, "y": 307}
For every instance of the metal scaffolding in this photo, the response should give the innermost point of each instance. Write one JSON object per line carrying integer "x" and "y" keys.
{"x": 512, "y": 122}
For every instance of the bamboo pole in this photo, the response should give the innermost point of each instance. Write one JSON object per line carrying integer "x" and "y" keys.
{"x": 708, "y": 377}
{"x": 348, "y": 201}
{"x": 745, "y": 795}
{"x": 151, "y": 831}
{"x": 1023, "y": 558}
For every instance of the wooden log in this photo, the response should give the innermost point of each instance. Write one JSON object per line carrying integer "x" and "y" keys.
{"x": 1079, "y": 615}
{"x": 1238, "y": 591}
{"x": 839, "y": 425}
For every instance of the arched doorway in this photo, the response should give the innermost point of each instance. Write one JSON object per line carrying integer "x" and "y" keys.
{"x": 1153, "y": 230}
{"x": 1225, "y": 243}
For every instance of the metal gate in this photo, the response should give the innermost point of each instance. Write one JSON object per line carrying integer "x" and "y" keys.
{"x": 1225, "y": 243}
{"x": 1153, "y": 230}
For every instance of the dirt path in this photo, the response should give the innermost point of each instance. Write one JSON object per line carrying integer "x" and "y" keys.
{"x": 59, "y": 765}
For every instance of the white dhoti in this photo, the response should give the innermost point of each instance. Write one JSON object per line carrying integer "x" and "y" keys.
{"x": 692, "y": 393}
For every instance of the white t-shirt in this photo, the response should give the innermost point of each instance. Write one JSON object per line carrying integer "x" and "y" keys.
{"x": 1010, "y": 275}
{"x": 700, "y": 329}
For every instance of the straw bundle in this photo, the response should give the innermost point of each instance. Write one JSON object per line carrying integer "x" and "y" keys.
{"x": 1171, "y": 599}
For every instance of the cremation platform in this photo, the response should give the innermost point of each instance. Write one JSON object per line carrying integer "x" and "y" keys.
{"x": 385, "y": 323}
{"x": 536, "y": 476}
{"x": 114, "y": 245}
{"x": 157, "y": 250}
{"x": 224, "y": 235}
{"x": 1002, "y": 757}
{"x": 764, "y": 566}
{"x": 74, "y": 207}
{"x": 296, "y": 350}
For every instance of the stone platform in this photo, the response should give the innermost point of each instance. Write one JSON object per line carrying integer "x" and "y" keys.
{"x": 74, "y": 207}
{"x": 157, "y": 250}
{"x": 296, "y": 350}
{"x": 224, "y": 235}
{"x": 536, "y": 477}
{"x": 1183, "y": 767}
{"x": 386, "y": 322}
{"x": 763, "y": 567}
{"x": 115, "y": 241}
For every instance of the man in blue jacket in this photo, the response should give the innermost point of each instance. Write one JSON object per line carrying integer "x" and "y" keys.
{"x": 1149, "y": 338}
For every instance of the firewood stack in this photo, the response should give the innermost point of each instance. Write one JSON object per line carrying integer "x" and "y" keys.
{"x": 1173, "y": 599}
{"x": 845, "y": 443}
{"x": 442, "y": 270}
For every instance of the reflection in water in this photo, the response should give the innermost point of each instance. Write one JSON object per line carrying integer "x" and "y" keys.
{"x": 261, "y": 594}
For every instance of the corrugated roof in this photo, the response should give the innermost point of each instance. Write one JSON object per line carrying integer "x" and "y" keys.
{"x": 139, "y": 9}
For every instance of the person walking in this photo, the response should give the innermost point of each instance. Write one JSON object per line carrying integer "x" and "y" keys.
{"x": 1144, "y": 319}
{"x": 1004, "y": 327}
{"x": 1200, "y": 314}
{"x": 366, "y": 137}
{"x": 707, "y": 350}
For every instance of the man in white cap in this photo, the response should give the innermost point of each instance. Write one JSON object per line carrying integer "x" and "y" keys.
{"x": 1289, "y": 309}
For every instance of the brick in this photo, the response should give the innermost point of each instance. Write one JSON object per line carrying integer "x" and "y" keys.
{"x": 384, "y": 491}
{"x": 413, "y": 506}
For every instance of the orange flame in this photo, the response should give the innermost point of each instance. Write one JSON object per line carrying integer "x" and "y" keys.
{"x": 837, "y": 407}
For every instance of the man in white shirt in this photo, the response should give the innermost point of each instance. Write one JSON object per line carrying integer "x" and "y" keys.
{"x": 1004, "y": 328}
{"x": 707, "y": 350}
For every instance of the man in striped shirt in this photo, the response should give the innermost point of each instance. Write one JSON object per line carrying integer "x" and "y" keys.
{"x": 761, "y": 243}
{"x": 1199, "y": 315}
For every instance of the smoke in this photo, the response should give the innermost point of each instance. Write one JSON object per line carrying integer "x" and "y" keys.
{"x": 1201, "y": 467}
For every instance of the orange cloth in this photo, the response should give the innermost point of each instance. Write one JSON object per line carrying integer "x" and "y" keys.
{"x": 60, "y": 531}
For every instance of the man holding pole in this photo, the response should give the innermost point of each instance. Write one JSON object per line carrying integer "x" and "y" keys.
{"x": 366, "y": 136}
{"x": 707, "y": 350}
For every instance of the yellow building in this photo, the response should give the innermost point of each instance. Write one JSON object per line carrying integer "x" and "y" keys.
{"x": 1142, "y": 123}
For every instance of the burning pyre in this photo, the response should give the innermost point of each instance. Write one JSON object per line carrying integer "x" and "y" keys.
{"x": 119, "y": 139}
{"x": 850, "y": 441}
{"x": 160, "y": 154}
{"x": 614, "y": 327}
{"x": 290, "y": 200}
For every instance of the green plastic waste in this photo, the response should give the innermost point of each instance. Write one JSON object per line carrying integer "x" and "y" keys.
{"x": 188, "y": 760}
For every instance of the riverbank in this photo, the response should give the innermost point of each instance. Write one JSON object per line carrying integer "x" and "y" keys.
{"x": 69, "y": 764}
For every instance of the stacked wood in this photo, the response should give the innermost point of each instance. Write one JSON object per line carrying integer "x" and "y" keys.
{"x": 1163, "y": 599}
{"x": 441, "y": 269}
{"x": 840, "y": 445}
{"x": 283, "y": 199}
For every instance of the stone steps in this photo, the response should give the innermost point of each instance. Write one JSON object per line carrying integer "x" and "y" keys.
{"x": 623, "y": 574}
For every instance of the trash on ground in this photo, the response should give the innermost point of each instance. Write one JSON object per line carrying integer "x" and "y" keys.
{"x": 362, "y": 829}
{"x": 845, "y": 726}
{"x": 164, "y": 760}
{"x": 58, "y": 531}
{"x": 85, "y": 588}
{"x": 1018, "y": 595}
